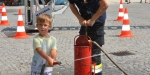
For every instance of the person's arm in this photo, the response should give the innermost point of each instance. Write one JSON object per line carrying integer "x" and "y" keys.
{"x": 45, "y": 56}
{"x": 103, "y": 7}
{"x": 76, "y": 13}
{"x": 37, "y": 46}
{"x": 53, "y": 54}
{"x": 53, "y": 51}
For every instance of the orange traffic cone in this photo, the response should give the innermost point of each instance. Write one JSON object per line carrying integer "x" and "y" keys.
{"x": 121, "y": 12}
{"x": 0, "y": 9}
{"x": 20, "y": 28}
{"x": 126, "y": 27}
{"x": 4, "y": 20}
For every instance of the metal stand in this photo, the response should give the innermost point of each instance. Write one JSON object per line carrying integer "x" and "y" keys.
{"x": 30, "y": 14}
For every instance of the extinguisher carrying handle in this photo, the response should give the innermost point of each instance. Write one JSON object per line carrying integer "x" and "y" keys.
{"x": 77, "y": 36}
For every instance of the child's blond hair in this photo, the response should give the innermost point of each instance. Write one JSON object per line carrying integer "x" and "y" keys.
{"x": 44, "y": 18}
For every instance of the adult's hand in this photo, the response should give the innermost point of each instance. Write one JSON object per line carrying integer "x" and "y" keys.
{"x": 82, "y": 22}
{"x": 90, "y": 22}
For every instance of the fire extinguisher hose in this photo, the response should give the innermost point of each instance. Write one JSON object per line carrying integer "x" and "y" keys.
{"x": 109, "y": 57}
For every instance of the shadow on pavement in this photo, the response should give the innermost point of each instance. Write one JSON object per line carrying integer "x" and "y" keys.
{"x": 11, "y": 32}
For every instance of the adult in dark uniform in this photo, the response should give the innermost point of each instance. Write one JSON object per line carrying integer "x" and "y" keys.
{"x": 91, "y": 15}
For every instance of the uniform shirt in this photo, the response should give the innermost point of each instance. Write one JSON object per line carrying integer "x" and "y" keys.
{"x": 46, "y": 44}
{"x": 88, "y": 9}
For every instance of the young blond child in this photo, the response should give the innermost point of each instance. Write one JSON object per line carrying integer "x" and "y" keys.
{"x": 44, "y": 46}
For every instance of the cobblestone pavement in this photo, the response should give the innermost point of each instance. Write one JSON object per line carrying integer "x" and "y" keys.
{"x": 16, "y": 54}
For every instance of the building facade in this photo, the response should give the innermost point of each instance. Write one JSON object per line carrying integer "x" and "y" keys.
{"x": 12, "y": 2}
{"x": 19, "y": 2}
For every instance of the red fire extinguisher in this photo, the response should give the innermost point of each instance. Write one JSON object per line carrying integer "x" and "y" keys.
{"x": 82, "y": 49}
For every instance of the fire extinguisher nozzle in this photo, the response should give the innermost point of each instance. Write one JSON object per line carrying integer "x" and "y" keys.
{"x": 55, "y": 63}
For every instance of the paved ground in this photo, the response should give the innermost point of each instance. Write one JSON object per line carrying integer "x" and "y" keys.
{"x": 16, "y": 54}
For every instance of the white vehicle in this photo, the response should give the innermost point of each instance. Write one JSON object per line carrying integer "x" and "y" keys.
{"x": 33, "y": 9}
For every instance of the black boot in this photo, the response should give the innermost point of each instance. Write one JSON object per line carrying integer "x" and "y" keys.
{"x": 97, "y": 73}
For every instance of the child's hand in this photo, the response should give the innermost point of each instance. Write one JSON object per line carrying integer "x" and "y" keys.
{"x": 54, "y": 61}
{"x": 50, "y": 61}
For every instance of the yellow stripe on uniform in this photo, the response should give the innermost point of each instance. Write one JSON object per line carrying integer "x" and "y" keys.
{"x": 97, "y": 66}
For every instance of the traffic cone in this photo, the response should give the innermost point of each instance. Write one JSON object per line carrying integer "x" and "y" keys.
{"x": 0, "y": 9}
{"x": 126, "y": 27}
{"x": 121, "y": 12}
{"x": 20, "y": 28}
{"x": 4, "y": 20}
